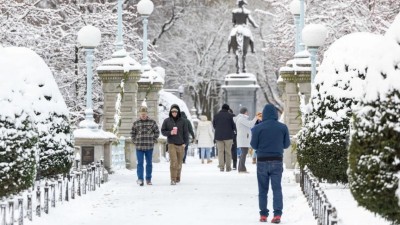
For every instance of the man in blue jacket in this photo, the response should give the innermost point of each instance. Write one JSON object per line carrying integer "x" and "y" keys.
{"x": 270, "y": 138}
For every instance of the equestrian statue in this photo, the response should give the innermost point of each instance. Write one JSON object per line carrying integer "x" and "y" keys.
{"x": 241, "y": 37}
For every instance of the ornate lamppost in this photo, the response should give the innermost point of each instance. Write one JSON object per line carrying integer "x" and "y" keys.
{"x": 314, "y": 36}
{"x": 120, "y": 42}
{"x": 89, "y": 38}
{"x": 145, "y": 8}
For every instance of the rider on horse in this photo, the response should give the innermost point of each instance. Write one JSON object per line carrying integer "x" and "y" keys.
{"x": 240, "y": 17}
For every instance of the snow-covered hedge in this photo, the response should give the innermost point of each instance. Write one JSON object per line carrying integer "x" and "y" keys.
{"x": 33, "y": 111}
{"x": 322, "y": 142}
{"x": 55, "y": 146}
{"x": 17, "y": 151}
{"x": 322, "y": 146}
{"x": 374, "y": 153}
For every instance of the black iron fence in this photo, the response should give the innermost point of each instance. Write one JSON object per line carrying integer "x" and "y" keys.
{"x": 323, "y": 210}
{"x": 48, "y": 194}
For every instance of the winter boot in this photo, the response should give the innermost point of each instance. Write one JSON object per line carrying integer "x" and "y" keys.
{"x": 209, "y": 161}
{"x": 202, "y": 161}
{"x": 263, "y": 219}
{"x": 276, "y": 219}
{"x": 140, "y": 182}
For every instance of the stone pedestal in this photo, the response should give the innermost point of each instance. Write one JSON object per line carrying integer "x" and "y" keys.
{"x": 93, "y": 146}
{"x": 240, "y": 90}
{"x": 112, "y": 72}
{"x": 148, "y": 87}
{"x": 294, "y": 78}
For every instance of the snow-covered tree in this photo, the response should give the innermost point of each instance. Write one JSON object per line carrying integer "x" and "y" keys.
{"x": 374, "y": 152}
{"x": 339, "y": 85}
{"x": 18, "y": 139}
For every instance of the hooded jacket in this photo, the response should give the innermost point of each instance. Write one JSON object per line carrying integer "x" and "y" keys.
{"x": 190, "y": 127}
{"x": 205, "y": 133}
{"x": 270, "y": 137}
{"x": 183, "y": 132}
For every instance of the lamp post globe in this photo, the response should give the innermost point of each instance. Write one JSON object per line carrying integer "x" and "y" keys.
{"x": 314, "y": 36}
{"x": 294, "y": 7}
{"x": 89, "y": 38}
{"x": 145, "y": 7}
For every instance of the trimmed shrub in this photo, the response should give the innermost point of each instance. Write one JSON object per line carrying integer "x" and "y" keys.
{"x": 17, "y": 153}
{"x": 322, "y": 141}
{"x": 55, "y": 146}
{"x": 374, "y": 156}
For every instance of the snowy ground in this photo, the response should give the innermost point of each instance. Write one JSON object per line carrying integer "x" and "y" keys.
{"x": 205, "y": 196}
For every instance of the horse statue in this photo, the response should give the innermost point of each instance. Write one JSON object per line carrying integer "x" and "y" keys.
{"x": 240, "y": 37}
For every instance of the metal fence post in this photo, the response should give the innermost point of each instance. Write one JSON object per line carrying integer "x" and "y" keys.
{"x": 73, "y": 186}
{"x": 84, "y": 171}
{"x": 67, "y": 188}
{"x": 3, "y": 206}
{"x": 38, "y": 208}
{"x": 11, "y": 211}
{"x": 53, "y": 194}
{"x": 20, "y": 210}
{"x": 46, "y": 198}
{"x": 29, "y": 205}
{"x": 78, "y": 180}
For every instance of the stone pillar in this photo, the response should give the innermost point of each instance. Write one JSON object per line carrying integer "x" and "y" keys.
{"x": 294, "y": 78}
{"x": 148, "y": 89}
{"x": 111, "y": 72}
{"x": 240, "y": 90}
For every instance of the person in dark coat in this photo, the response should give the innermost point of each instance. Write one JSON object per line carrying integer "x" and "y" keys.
{"x": 224, "y": 132}
{"x": 183, "y": 114}
{"x": 270, "y": 138}
{"x": 177, "y": 132}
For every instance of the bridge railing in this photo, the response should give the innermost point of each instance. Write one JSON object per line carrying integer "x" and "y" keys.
{"x": 323, "y": 210}
{"x": 47, "y": 194}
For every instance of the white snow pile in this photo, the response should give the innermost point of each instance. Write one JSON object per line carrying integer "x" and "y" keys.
{"x": 166, "y": 100}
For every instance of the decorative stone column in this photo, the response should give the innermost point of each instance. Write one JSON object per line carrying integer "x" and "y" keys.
{"x": 294, "y": 78}
{"x": 240, "y": 90}
{"x": 149, "y": 85}
{"x": 121, "y": 66}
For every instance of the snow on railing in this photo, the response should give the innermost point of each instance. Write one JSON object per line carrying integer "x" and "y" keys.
{"x": 50, "y": 193}
{"x": 323, "y": 210}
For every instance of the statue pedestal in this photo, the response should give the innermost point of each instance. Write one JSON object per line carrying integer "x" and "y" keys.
{"x": 240, "y": 90}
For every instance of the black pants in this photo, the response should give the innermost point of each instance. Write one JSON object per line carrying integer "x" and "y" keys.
{"x": 234, "y": 155}
{"x": 184, "y": 155}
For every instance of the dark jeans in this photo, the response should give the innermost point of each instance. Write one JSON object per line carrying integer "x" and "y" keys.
{"x": 186, "y": 149}
{"x": 140, "y": 155}
{"x": 234, "y": 156}
{"x": 242, "y": 160}
{"x": 270, "y": 171}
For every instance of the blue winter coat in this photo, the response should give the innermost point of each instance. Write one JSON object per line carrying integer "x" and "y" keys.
{"x": 270, "y": 137}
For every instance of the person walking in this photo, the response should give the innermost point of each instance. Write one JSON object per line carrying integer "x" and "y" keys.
{"x": 205, "y": 138}
{"x": 224, "y": 130}
{"x": 144, "y": 134}
{"x": 177, "y": 132}
{"x": 191, "y": 132}
{"x": 243, "y": 126}
{"x": 270, "y": 138}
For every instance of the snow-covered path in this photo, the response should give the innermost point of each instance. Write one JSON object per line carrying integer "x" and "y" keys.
{"x": 205, "y": 196}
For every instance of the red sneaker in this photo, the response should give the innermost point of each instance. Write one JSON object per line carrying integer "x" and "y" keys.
{"x": 276, "y": 219}
{"x": 263, "y": 219}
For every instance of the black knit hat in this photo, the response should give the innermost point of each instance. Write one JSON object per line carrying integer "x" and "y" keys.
{"x": 225, "y": 106}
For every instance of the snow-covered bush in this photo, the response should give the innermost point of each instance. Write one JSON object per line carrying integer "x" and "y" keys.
{"x": 375, "y": 155}
{"x": 324, "y": 138}
{"x": 17, "y": 150}
{"x": 26, "y": 75}
{"x": 374, "y": 152}
{"x": 55, "y": 146}
{"x": 322, "y": 142}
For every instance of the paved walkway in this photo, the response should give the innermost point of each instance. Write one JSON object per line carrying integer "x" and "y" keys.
{"x": 205, "y": 196}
